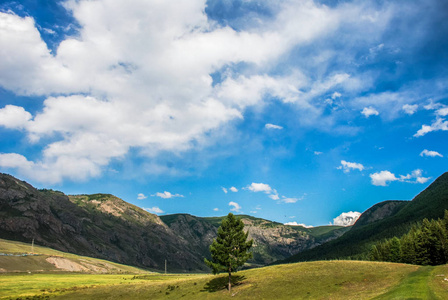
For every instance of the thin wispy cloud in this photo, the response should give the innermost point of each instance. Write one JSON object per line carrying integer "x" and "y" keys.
{"x": 430, "y": 153}
{"x": 167, "y": 195}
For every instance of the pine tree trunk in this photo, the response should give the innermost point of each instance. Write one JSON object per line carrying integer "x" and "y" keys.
{"x": 230, "y": 284}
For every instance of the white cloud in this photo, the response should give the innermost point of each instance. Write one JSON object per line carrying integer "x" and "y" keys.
{"x": 15, "y": 117}
{"x": 346, "y": 219}
{"x": 369, "y": 111}
{"x": 272, "y": 193}
{"x": 443, "y": 112}
{"x": 141, "y": 196}
{"x": 235, "y": 206}
{"x": 148, "y": 65}
{"x": 336, "y": 95}
{"x": 410, "y": 109}
{"x": 298, "y": 224}
{"x": 289, "y": 200}
{"x": 259, "y": 187}
{"x": 347, "y": 166}
{"x": 154, "y": 210}
{"x": 384, "y": 177}
{"x": 224, "y": 190}
{"x": 272, "y": 126}
{"x": 233, "y": 189}
{"x": 167, "y": 195}
{"x": 216, "y": 209}
{"x": 430, "y": 153}
{"x": 317, "y": 153}
{"x": 439, "y": 124}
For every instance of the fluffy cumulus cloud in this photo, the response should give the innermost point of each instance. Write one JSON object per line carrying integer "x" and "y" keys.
{"x": 384, "y": 177}
{"x": 347, "y": 218}
{"x": 167, "y": 195}
{"x": 369, "y": 111}
{"x": 438, "y": 124}
{"x": 139, "y": 77}
{"x": 410, "y": 109}
{"x": 235, "y": 206}
{"x": 259, "y": 187}
{"x": 233, "y": 189}
{"x": 348, "y": 166}
{"x": 430, "y": 153}
{"x": 141, "y": 196}
{"x": 154, "y": 210}
{"x": 272, "y": 193}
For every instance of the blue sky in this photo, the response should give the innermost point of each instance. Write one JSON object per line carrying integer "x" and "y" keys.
{"x": 293, "y": 111}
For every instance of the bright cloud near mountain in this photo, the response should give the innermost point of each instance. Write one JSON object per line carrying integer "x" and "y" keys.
{"x": 235, "y": 206}
{"x": 154, "y": 210}
{"x": 141, "y": 196}
{"x": 346, "y": 219}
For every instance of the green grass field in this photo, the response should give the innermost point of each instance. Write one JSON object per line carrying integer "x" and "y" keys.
{"x": 309, "y": 280}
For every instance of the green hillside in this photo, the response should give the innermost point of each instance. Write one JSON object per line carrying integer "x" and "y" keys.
{"x": 19, "y": 257}
{"x": 311, "y": 280}
{"x": 430, "y": 203}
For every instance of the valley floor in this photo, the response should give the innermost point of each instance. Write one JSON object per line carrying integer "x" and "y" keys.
{"x": 310, "y": 280}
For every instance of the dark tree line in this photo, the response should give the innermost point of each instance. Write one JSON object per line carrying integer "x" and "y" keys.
{"x": 424, "y": 244}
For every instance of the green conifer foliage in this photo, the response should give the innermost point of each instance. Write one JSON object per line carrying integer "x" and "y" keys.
{"x": 230, "y": 249}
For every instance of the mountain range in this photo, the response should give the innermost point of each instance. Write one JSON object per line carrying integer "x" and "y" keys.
{"x": 104, "y": 226}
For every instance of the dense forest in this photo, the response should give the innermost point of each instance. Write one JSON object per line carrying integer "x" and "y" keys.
{"x": 425, "y": 244}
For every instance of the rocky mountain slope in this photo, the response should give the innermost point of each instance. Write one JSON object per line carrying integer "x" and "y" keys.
{"x": 383, "y": 220}
{"x": 272, "y": 240}
{"x": 107, "y": 227}
{"x": 101, "y": 226}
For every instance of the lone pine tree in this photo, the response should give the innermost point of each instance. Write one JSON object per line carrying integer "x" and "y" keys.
{"x": 230, "y": 249}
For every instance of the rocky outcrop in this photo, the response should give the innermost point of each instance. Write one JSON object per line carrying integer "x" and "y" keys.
{"x": 100, "y": 225}
{"x": 379, "y": 211}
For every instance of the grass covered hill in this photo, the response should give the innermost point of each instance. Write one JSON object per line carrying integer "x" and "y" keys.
{"x": 272, "y": 240}
{"x": 310, "y": 280}
{"x": 383, "y": 220}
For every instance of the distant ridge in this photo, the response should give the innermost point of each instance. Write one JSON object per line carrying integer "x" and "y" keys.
{"x": 104, "y": 226}
{"x": 383, "y": 220}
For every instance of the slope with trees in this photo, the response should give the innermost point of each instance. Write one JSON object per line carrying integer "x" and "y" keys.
{"x": 355, "y": 244}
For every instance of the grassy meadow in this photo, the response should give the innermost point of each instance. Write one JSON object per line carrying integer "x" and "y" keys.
{"x": 309, "y": 280}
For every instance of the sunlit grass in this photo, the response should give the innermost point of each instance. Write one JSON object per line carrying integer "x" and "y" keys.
{"x": 309, "y": 280}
